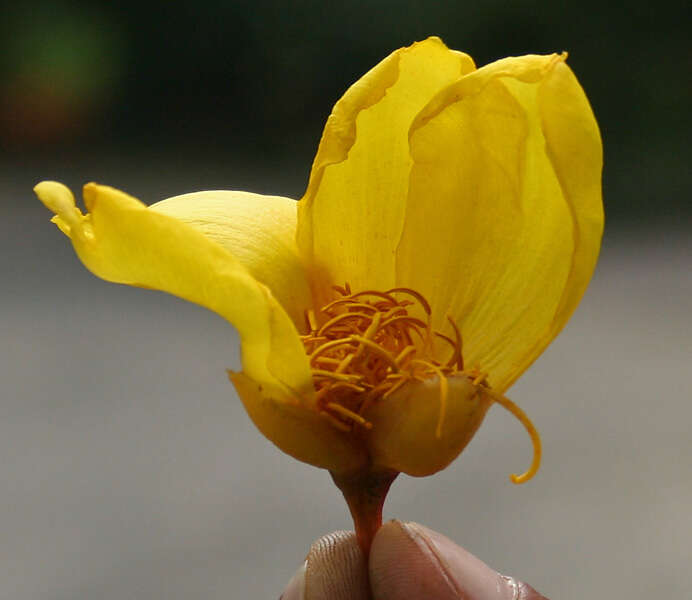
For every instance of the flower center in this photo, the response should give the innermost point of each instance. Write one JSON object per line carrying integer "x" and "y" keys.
{"x": 366, "y": 345}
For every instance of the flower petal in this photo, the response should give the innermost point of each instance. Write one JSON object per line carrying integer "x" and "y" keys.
{"x": 120, "y": 240}
{"x": 259, "y": 231}
{"x": 299, "y": 431}
{"x": 350, "y": 218}
{"x": 504, "y": 215}
{"x": 412, "y": 433}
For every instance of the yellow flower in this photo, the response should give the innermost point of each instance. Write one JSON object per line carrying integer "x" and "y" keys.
{"x": 450, "y": 226}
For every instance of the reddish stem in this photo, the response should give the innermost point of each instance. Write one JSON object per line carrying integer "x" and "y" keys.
{"x": 365, "y": 493}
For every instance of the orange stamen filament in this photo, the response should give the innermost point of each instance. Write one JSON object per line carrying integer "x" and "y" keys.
{"x": 404, "y": 353}
{"x": 311, "y": 321}
{"x": 336, "y": 422}
{"x": 507, "y": 404}
{"x": 423, "y": 302}
{"x": 335, "y": 376}
{"x": 349, "y": 414}
{"x": 342, "y": 317}
{"x": 458, "y": 345}
{"x": 444, "y": 391}
{"x": 377, "y": 350}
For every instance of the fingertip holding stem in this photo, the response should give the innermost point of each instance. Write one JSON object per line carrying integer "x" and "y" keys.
{"x": 365, "y": 493}
{"x": 334, "y": 569}
{"x": 411, "y": 561}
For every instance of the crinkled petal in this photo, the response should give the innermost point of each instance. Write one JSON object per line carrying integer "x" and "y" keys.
{"x": 259, "y": 231}
{"x": 120, "y": 240}
{"x": 504, "y": 215}
{"x": 350, "y": 219}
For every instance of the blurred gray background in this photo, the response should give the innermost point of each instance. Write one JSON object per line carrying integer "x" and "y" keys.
{"x": 128, "y": 468}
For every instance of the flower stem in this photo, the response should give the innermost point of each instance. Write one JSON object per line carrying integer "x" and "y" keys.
{"x": 365, "y": 493}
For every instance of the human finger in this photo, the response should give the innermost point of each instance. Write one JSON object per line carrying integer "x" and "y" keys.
{"x": 334, "y": 569}
{"x": 411, "y": 562}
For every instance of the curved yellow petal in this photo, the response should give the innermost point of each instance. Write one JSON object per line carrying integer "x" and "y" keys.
{"x": 259, "y": 231}
{"x": 504, "y": 214}
{"x": 120, "y": 240}
{"x": 350, "y": 218}
{"x": 299, "y": 431}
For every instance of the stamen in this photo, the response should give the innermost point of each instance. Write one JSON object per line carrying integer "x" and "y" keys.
{"x": 507, "y": 404}
{"x": 345, "y": 385}
{"x": 450, "y": 341}
{"x": 327, "y": 360}
{"x": 338, "y": 318}
{"x": 444, "y": 390}
{"x": 327, "y": 309}
{"x": 335, "y": 376}
{"x": 399, "y": 384}
{"x": 369, "y": 332}
{"x": 479, "y": 378}
{"x": 404, "y": 319}
{"x": 311, "y": 320}
{"x": 416, "y": 295}
{"x": 396, "y": 310}
{"x": 335, "y": 422}
{"x": 383, "y": 295}
{"x": 329, "y": 345}
{"x": 344, "y": 363}
{"x": 376, "y": 350}
{"x": 349, "y": 414}
{"x": 458, "y": 346}
{"x": 404, "y": 354}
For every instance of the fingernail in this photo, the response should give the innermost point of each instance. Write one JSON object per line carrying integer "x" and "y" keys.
{"x": 470, "y": 576}
{"x": 295, "y": 590}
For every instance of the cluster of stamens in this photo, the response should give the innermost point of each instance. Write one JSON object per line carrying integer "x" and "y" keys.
{"x": 365, "y": 346}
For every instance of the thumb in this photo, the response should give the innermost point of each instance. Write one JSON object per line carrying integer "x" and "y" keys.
{"x": 411, "y": 562}
{"x": 334, "y": 569}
